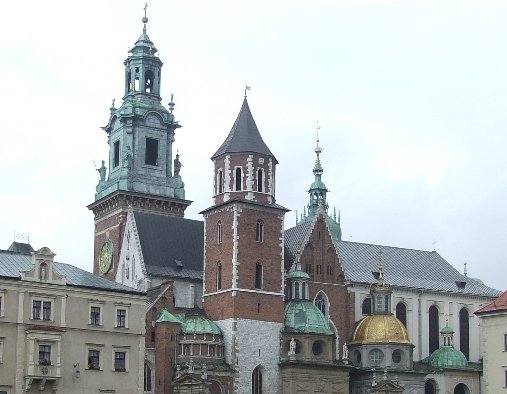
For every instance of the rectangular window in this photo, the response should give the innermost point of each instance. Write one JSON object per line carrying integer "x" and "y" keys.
{"x": 95, "y": 315}
{"x": 46, "y": 310}
{"x": 1, "y": 305}
{"x": 505, "y": 343}
{"x": 119, "y": 361}
{"x": 121, "y": 316}
{"x": 36, "y": 309}
{"x": 45, "y": 354}
{"x": 116, "y": 154}
{"x": 151, "y": 156}
{"x": 93, "y": 359}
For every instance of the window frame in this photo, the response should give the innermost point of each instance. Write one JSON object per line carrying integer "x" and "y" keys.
{"x": 2, "y": 303}
{"x": 259, "y": 231}
{"x": 47, "y": 350}
{"x": 219, "y": 232}
{"x": 260, "y": 180}
{"x": 218, "y": 284}
{"x": 259, "y": 275}
{"x": 98, "y": 351}
{"x": 2, "y": 341}
{"x": 116, "y": 153}
{"x": 96, "y": 304}
{"x": 238, "y": 181}
{"x": 125, "y": 317}
{"x": 220, "y": 181}
{"x": 151, "y": 148}
{"x": 117, "y": 351}
{"x": 46, "y": 304}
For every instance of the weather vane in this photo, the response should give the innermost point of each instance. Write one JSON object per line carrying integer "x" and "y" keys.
{"x": 145, "y": 18}
{"x": 247, "y": 88}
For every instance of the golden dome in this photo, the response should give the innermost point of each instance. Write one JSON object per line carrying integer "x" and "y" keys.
{"x": 380, "y": 329}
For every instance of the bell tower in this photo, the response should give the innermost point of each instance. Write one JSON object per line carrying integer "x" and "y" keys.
{"x": 141, "y": 172}
{"x": 243, "y": 255}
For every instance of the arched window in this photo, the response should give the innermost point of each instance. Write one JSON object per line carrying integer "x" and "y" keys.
{"x": 219, "y": 232}
{"x": 464, "y": 332}
{"x": 147, "y": 377}
{"x": 260, "y": 180}
{"x": 258, "y": 275}
{"x": 461, "y": 389}
{"x": 148, "y": 81}
{"x": 219, "y": 276}
{"x": 238, "y": 180}
{"x": 259, "y": 232}
{"x": 257, "y": 380}
{"x": 220, "y": 182}
{"x": 401, "y": 313}
{"x": 366, "y": 306}
{"x": 430, "y": 387}
{"x": 433, "y": 330}
{"x": 321, "y": 302}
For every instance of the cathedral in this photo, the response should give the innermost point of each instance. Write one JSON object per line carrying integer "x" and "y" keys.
{"x": 238, "y": 302}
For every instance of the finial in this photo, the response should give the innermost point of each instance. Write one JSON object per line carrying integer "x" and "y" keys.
{"x": 171, "y": 104}
{"x": 145, "y": 18}
{"x": 247, "y": 88}
{"x": 317, "y": 128}
{"x": 112, "y": 103}
{"x": 380, "y": 267}
{"x": 465, "y": 268}
{"x": 296, "y": 217}
{"x": 334, "y": 214}
{"x": 317, "y": 169}
{"x": 339, "y": 216}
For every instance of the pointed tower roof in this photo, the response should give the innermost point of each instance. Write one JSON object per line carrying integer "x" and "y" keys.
{"x": 244, "y": 136}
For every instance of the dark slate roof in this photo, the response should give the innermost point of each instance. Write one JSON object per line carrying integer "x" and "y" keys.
{"x": 244, "y": 136}
{"x": 409, "y": 268}
{"x": 20, "y": 247}
{"x": 171, "y": 246}
{"x": 12, "y": 264}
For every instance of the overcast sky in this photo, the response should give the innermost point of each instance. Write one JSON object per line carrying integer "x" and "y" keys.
{"x": 411, "y": 98}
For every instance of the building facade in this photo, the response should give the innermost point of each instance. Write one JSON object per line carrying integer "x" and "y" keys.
{"x": 65, "y": 330}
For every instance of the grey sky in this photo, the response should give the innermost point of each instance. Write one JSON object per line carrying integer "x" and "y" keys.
{"x": 411, "y": 97}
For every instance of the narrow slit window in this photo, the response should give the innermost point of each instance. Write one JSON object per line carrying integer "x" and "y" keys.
{"x": 238, "y": 179}
{"x": 116, "y": 154}
{"x": 259, "y": 233}
{"x": 151, "y": 154}
{"x": 219, "y": 232}
{"x": 219, "y": 276}
{"x": 258, "y": 275}
{"x": 220, "y": 182}
{"x": 260, "y": 181}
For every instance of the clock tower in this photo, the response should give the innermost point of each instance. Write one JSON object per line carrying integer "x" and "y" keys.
{"x": 141, "y": 173}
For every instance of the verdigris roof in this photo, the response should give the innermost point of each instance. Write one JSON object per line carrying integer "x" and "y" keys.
{"x": 409, "y": 268}
{"x": 447, "y": 357}
{"x": 12, "y": 264}
{"x": 199, "y": 324}
{"x": 244, "y": 136}
{"x": 171, "y": 246}
{"x": 304, "y": 317}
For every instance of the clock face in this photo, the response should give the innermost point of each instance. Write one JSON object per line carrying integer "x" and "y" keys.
{"x": 106, "y": 257}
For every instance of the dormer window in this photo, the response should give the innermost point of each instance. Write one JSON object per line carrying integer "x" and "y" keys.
{"x": 179, "y": 264}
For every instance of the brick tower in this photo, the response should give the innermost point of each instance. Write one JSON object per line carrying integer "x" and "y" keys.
{"x": 243, "y": 263}
{"x": 140, "y": 174}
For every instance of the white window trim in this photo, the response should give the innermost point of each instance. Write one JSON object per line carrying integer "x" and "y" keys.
{"x": 101, "y": 317}
{"x": 126, "y": 309}
{"x": 263, "y": 183}
{"x": 51, "y": 352}
{"x": 2, "y": 341}
{"x": 2, "y": 302}
{"x": 42, "y": 299}
{"x": 124, "y": 349}
{"x": 242, "y": 176}
{"x": 100, "y": 349}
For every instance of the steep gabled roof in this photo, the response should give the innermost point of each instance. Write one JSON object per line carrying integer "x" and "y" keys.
{"x": 12, "y": 264}
{"x": 171, "y": 246}
{"x": 410, "y": 268}
{"x": 498, "y": 305}
{"x": 244, "y": 136}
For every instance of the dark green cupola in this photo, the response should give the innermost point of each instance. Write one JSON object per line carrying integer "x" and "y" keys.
{"x": 141, "y": 132}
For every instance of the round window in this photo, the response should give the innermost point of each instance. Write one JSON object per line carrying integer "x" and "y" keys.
{"x": 376, "y": 356}
{"x": 396, "y": 356}
{"x": 317, "y": 348}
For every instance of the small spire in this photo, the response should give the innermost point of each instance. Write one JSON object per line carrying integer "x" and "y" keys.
{"x": 339, "y": 217}
{"x": 380, "y": 267}
{"x": 145, "y": 18}
{"x": 247, "y": 88}
{"x": 296, "y": 217}
{"x": 465, "y": 268}
{"x": 334, "y": 214}
{"x": 318, "y": 170}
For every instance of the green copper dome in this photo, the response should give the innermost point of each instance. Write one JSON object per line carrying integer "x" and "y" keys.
{"x": 303, "y": 316}
{"x": 447, "y": 357}
{"x": 318, "y": 184}
{"x": 198, "y": 324}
